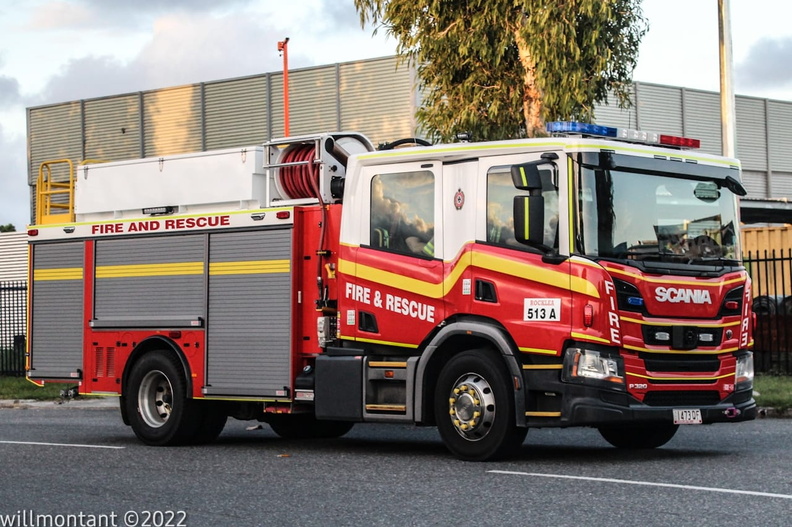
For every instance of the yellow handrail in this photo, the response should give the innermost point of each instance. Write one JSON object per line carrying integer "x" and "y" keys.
{"x": 47, "y": 188}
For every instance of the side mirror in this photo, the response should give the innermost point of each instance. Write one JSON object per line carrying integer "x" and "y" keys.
{"x": 735, "y": 186}
{"x": 529, "y": 220}
{"x": 526, "y": 176}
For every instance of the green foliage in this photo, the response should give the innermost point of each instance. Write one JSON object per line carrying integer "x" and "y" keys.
{"x": 8, "y": 228}
{"x": 20, "y": 388}
{"x": 488, "y": 66}
{"x": 774, "y": 391}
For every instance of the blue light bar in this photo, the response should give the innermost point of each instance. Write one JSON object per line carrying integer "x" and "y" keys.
{"x": 562, "y": 128}
{"x": 573, "y": 127}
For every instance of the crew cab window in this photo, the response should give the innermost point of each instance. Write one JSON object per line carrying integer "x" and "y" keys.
{"x": 402, "y": 212}
{"x": 500, "y": 207}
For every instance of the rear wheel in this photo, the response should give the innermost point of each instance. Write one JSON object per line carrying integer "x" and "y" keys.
{"x": 306, "y": 426}
{"x": 474, "y": 407}
{"x": 158, "y": 408}
{"x": 638, "y": 436}
{"x": 213, "y": 417}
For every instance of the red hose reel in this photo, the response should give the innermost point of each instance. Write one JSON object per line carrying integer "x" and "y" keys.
{"x": 302, "y": 180}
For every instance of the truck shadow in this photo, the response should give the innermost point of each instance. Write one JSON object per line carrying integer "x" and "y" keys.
{"x": 394, "y": 441}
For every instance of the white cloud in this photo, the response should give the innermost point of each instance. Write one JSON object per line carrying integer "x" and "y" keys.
{"x": 14, "y": 193}
{"x": 768, "y": 65}
{"x": 61, "y": 15}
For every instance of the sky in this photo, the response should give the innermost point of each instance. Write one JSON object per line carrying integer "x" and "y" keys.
{"x": 53, "y": 51}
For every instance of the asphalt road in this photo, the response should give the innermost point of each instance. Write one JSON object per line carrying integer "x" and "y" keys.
{"x": 68, "y": 460}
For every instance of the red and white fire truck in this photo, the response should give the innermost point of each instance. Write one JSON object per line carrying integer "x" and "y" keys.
{"x": 590, "y": 278}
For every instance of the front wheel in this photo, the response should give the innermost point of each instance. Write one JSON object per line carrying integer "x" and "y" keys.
{"x": 474, "y": 407}
{"x": 638, "y": 436}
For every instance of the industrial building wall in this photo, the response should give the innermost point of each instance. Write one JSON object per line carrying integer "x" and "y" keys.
{"x": 377, "y": 98}
{"x": 13, "y": 256}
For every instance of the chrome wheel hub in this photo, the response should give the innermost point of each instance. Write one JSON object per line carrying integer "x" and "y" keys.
{"x": 471, "y": 406}
{"x": 155, "y": 399}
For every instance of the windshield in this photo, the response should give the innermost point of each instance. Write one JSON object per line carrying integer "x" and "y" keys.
{"x": 632, "y": 216}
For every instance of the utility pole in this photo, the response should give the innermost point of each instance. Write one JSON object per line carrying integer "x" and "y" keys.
{"x": 283, "y": 47}
{"x": 726, "y": 87}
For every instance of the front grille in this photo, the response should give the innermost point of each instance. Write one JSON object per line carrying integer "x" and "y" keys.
{"x": 682, "y": 337}
{"x": 680, "y": 363}
{"x": 688, "y": 398}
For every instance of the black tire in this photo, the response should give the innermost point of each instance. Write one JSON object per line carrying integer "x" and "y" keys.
{"x": 637, "y": 437}
{"x": 474, "y": 407}
{"x": 158, "y": 408}
{"x": 213, "y": 417}
{"x": 306, "y": 426}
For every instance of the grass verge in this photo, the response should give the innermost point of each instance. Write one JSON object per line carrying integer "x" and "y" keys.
{"x": 20, "y": 388}
{"x": 774, "y": 391}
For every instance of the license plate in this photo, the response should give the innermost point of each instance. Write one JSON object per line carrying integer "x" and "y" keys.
{"x": 687, "y": 417}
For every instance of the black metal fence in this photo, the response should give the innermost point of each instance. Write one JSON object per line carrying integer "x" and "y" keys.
{"x": 13, "y": 307}
{"x": 771, "y": 272}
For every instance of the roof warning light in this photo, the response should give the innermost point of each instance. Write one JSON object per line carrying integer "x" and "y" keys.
{"x": 620, "y": 134}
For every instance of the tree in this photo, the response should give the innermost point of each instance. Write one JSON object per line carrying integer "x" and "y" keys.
{"x": 500, "y": 68}
{"x": 7, "y": 228}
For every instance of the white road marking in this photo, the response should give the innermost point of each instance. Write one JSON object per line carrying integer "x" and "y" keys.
{"x": 61, "y": 444}
{"x": 647, "y": 483}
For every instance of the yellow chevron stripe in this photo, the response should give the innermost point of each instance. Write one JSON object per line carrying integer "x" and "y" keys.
{"x": 697, "y": 325}
{"x": 543, "y": 366}
{"x": 538, "y": 350}
{"x": 591, "y": 338}
{"x": 688, "y": 283}
{"x": 250, "y": 267}
{"x": 484, "y": 261}
{"x": 385, "y": 342}
{"x": 537, "y": 274}
{"x": 141, "y": 270}
{"x": 66, "y": 273}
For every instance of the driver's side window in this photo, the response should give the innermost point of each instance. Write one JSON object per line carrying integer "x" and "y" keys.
{"x": 402, "y": 212}
{"x": 500, "y": 195}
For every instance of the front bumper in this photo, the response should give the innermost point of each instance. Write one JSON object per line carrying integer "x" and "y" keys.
{"x": 584, "y": 405}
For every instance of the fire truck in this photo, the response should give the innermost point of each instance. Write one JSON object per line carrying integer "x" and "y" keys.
{"x": 588, "y": 278}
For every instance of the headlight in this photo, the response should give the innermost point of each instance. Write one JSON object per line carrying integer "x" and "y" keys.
{"x": 581, "y": 364}
{"x": 745, "y": 372}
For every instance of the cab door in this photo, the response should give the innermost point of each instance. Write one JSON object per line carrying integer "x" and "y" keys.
{"x": 526, "y": 288}
{"x": 392, "y": 277}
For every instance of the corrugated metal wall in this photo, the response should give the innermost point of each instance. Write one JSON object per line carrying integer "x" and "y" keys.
{"x": 236, "y": 112}
{"x": 54, "y": 132}
{"x": 13, "y": 256}
{"x": 173, "y": 121}
{"x": 375, "y": 97}
{"x": 702, "y": 120}
{"x": 112, "y": 128}
{"x": 660, "y": 109}
{"x": 313, "y": 101}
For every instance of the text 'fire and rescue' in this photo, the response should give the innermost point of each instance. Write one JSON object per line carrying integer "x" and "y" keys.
{"x": 393, "y": 303}
{"x": 161, "y": 225}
